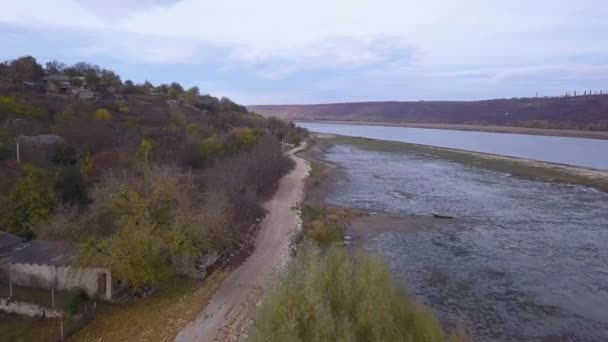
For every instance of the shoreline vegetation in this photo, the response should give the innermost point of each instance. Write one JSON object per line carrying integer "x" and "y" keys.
{"x": 573, "y": 133}
{"x": 334, "y": 292}
{"x": 525, "y": 168}
{"x": 323, "y": 268}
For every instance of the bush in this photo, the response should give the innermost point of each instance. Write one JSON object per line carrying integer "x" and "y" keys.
{"x": 71, "y": 188}
{"x": 74, "y": 303}
{"x": 331, "y": 296}
{"x": 30, "y": 202}
{"x": 103, "y": 115}
{"x": 320, "y": 227}
{"x": 325, "y": 232}
{"x": 150, "y": 225}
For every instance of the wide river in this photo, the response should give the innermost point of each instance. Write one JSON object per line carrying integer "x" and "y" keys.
{"x": 591, "y": 153}
{"x": 522, "y": 260}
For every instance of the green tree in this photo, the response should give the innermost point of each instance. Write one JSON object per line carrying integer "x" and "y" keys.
{"x": 103, "y": 115}
{"x": 30, "y": 202}
{"x": 193, "y": 128}
{"x": 173, "y": 94}
{"x": 244, "y": 138}
{"x": 109, "y": 79}
{"x": 92, "y": 79}
{"x": 143, "y": 151}
{"x": 55, "y": 67}
{"x": 192, "y": 94}
{"x": 71, "y": 187}
{"x": 25, "y": 68}
{"x": 210, "y": 149}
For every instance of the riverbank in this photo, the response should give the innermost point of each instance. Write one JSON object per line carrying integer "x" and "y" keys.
{"x": 529, "y": 169}
{"x": 519, "y": 227}
{"x": 478, "y": 128}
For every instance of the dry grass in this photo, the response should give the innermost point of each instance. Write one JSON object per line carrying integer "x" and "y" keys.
{"x": 156, "y": 318}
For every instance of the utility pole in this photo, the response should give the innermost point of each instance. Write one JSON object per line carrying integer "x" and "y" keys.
{"x": 18, "y": 154}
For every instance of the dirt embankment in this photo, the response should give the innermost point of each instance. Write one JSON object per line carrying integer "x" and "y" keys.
{"x": 226, "y": 316}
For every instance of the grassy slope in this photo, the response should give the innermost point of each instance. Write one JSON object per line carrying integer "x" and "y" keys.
{"x": 156, "y": 318}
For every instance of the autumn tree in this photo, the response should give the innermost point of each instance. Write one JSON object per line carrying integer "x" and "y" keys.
{"x": 55, "y": 67}
{"x": 103, "y": 115}
{"x": 25, "y": 68}
{"x": 151, "y": 225}
{"x": 30, "y": 202}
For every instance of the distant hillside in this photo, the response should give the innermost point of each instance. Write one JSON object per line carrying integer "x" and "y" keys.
{"x": 580, "y": 112}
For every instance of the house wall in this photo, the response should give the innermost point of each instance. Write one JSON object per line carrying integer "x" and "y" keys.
{"x": 60, "y": 278}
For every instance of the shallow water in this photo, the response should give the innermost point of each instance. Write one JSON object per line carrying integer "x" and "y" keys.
{"x": 522, "y": 260}
{"x": 592, "y": 153}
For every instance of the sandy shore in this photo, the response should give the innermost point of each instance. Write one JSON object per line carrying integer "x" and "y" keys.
{"x": 479, "y": 128}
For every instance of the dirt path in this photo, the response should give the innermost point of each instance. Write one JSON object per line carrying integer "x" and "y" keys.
{"x": 228, "y": 310}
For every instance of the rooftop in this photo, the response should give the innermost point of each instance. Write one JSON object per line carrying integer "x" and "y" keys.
{"x": 43, "y": 253}
{"x": 48, "y": 139}
{"x": 8, "y": 241}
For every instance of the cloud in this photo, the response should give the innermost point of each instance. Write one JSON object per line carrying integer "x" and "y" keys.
{"x": 114, "y": 11}
{"x": 317, "y": 50}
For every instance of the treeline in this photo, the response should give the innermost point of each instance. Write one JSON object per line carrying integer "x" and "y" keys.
{"x": 149, "y": 186}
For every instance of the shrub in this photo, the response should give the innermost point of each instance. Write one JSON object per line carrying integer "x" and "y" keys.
{"x": 74, "y": 303}
{"x": 30, "y": 202}
{"x": 150, "y": 225}
{"x": 321, "y": 228}
{"x": 325, "y": 232}
{"x": 70, "y": 187}
{"x": 103, "y": 115}
{"x": 331, "y": 296}
{"x": 193, "y": 128}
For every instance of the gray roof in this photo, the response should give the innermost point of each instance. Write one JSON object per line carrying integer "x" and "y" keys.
{"x": 8, "y": 241}
{"x": 43, "y": 253}
{"x": 45, "y": 139}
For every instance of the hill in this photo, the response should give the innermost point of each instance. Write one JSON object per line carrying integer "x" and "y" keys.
{"x": 572, "y": 112}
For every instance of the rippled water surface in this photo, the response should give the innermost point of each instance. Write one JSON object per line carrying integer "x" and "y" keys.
{"x": 591, "y": 153}
{"x": 523, "y": 260}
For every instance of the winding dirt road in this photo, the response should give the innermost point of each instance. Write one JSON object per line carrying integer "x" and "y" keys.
{"x": 228, "y": 311}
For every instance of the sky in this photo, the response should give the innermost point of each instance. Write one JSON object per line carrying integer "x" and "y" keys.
{"x": 320, "y": 51}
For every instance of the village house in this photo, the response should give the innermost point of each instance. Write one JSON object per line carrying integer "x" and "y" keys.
{"x": 57, "y": 84}
{"x": 51, "y": 265}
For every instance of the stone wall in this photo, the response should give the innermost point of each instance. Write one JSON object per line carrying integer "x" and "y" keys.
{"x": 28, "y": 309}
{"x": 62, "y": 278}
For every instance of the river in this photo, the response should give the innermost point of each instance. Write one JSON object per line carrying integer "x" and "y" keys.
{"x": 590, "y": 153}
{"x": 522, "y": 260}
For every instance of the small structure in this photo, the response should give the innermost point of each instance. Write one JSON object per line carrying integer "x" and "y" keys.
{"x": 58, "y": 84}
{"x": 33, "y": 87}
{"x": 86, "y": 94}
{"x": 51, "y": 265}
{"x": 40, "y": 148}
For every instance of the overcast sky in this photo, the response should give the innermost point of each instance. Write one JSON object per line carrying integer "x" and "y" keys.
{"x": 312, "y": 51}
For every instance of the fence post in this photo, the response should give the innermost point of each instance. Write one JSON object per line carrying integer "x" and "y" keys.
{"x": 52, "y": 296}
{"x": 10, "y": 288}
{"x": 61, "y": 326}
